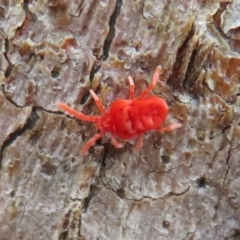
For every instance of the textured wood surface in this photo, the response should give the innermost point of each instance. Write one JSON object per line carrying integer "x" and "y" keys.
{"x": 182, "y": 184}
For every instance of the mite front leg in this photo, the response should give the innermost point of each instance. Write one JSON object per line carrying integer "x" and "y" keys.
{"x": 131, "y": 88}
{"x": 153, "y": 84}
{"x": 77, "y": 114}
{"x": 98, "y": 102}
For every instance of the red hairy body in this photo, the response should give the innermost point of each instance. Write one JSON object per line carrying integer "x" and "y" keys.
{"x": 127, "y": 119}
{"x": 131, "y": 118}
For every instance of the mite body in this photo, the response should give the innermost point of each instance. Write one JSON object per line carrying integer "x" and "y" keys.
{"x": 127, "y": 119}
{"x": 132, "y": 118}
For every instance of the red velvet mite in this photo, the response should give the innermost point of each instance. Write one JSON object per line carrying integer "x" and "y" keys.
{"x": 127, "y": 119}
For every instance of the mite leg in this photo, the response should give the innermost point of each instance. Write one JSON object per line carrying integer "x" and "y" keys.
{"x": 115, "y": 143}
{"x": 139, "y": 144}
{"x": 98, "y": 102}
{"x": 90, "y": 143}
{"x": 131, "y": 88}
{"x": 77, "y": 114}
{"x": 154, "y": 81}
{"x": 171, "y": 127}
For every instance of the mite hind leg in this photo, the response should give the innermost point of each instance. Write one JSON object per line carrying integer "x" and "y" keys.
{"x": 91, "y": 142}
{"x": 98, "y": 102}
{"x": 154, "y": 81}
{"x": 139, "y": 144}
{"x": 171, "y": 127}
{"x": 115, "y": 143}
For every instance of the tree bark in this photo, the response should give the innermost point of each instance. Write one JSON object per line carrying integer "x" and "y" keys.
{"x": 182, "y": 184}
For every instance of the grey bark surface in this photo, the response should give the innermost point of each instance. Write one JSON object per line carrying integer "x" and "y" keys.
{"x": 182, "y": 184}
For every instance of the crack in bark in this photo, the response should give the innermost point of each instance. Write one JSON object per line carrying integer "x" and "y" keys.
{"x": 87, "y": 200}
{"x": 171, "y": 169}
{"x": 169, "y": 194}
{"x": 10, "y": 67}
{"x": 111, "y": 33}
{"x": 216, "y": 16}
{"x": 198, "y": 61}
{"x": 93, "y": 189}
{"x": 182, "y": 50}
{"x": 106, "y": 45}
{"x": 79, "y": 226}
{"x": 93, "y": 71}
{"x": 64, "y": 234}
{"x": 218, "y": 94}
{"x": 188, "y": 235}
{"x": 234, "y": 234}
{"x": 11, "y": 101}
{"x": 228, "y": 165}
{"x": 25, "y": 5}
{"x": 224, "y": 180}
{"x": 30, "y": 123}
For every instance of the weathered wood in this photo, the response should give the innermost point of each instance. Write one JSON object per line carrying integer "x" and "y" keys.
{"x": 182, "y": 184}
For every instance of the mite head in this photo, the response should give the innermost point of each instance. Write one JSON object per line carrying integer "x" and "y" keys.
{"x": 103, "y": 124}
